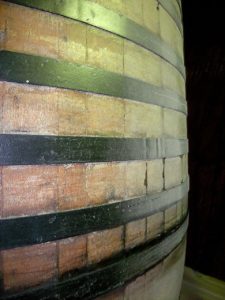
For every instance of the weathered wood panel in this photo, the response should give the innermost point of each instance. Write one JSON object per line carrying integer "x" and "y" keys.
{"x": 93, "y": 145}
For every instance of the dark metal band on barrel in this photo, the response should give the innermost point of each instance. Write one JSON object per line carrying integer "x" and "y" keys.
{"x": 179, "y": 4}
{"x": 169, "y": 7}
{"x": 23, "y": 68}
{"x": 38, "y": 149}
{"x": 101, "y": 17}
{"x": 91, "y": 282}
{"x": 15, "y": 232}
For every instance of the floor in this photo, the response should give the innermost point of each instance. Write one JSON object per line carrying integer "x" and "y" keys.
{"x": 197, "y": 286}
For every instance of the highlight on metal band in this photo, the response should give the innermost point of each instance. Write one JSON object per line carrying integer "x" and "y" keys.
{"x": 169, "y": 7}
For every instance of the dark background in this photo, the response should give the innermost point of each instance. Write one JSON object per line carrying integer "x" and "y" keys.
{"x": 204, "y": 35}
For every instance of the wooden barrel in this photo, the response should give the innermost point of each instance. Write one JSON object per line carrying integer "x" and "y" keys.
{"x": 93, "y": 149}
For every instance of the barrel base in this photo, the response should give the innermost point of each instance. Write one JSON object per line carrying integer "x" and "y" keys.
{"x": 162, "y": 282}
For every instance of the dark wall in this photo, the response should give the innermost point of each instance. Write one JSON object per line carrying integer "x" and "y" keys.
{"x": 204, "y": 32}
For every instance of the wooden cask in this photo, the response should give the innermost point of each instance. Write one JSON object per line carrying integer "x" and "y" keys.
{"x": 93, "y": 149}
